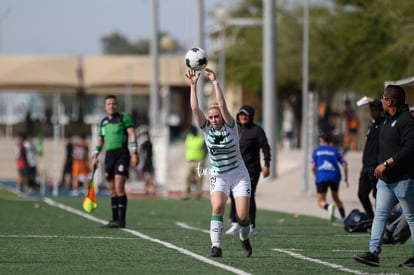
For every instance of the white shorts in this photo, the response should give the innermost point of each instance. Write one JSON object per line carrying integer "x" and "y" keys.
{"x": 237, "y": 181}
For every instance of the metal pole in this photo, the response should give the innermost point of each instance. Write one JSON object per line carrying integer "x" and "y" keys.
{"x": 305, "y": 99}
{"x": 128, "y": 92}
{"x": 154, "y": 96}
{"x": 222, "y": 16}
{"x": 269, "y": 76}
{"x": 163, "y": 146}
{"x": 223, "y": 57}
{"x": 200, "y": 42}
{"x": 56, "y": 138}
{"x": 9, "y": 120}
{"x": 162, "y": 149}
{"x": 2, "y": 17}
{"x": 9, "y": 109}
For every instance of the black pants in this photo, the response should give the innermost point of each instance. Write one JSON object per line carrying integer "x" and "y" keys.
{"x": 254, "y": 180}
{"x": 367, "y": 183}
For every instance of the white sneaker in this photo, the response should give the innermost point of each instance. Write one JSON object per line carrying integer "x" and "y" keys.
{"x": 331, "y": 211}
{"x": 252, "y": 230}
{"x": 234, "y": 229}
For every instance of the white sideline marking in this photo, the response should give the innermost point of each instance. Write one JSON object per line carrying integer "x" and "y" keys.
{"x": 63, "y": 237}
{"x": 186, "y": 226}
{"x": 334, "y": 266}
{"x": 145, "y": 237}
{"x": 289, "y": 251}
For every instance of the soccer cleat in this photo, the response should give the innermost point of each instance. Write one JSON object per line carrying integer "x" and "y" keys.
{"x": 215, "y": 252}
{"x": 331, "y": 211}
{"x": 234, "y": 229}
{"x": 408, "y": 263}
{"x": 113, "y": 224}
{"x": 252, "y": 230}
{"x": 367, "y": 258}
{"x": 247, "y": 248}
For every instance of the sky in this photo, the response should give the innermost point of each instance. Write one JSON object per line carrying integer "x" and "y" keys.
{"x": 75, "y": 27}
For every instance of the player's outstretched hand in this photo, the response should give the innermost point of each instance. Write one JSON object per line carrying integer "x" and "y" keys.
{"x": 210, "y": 74}
{"x": 192, "y": 76}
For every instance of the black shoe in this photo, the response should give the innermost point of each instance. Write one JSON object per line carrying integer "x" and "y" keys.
{"x": 367, "y": 258}
{"x": 215, "y": 252}
{"x": 113, "y": 224}
{"x": 408, "y": 263}
{"x": 247, "y": 248}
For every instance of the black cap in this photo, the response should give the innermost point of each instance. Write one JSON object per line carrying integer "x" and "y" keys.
{"x": 244, "y": 111}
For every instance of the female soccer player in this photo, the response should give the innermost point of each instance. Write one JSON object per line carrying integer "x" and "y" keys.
{"x": 228, "y": 172}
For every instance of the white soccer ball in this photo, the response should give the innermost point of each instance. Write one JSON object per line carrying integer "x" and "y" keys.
{"x": 196, "y": 59}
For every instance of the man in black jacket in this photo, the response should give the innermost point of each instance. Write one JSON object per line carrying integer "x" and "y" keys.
{"x": 367, "y": 181}
{"x": 252, "y": 140}
{"x": 395, "y": 172}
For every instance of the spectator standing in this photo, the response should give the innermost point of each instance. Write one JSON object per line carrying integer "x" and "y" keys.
{"x": 367, "y": 181}
{"x": 67, "y": 166}
{"x": 228, "y": 172}
{"x": 325, "y": 159}
{"x": 325, "y": 115}
{"x": 253, "y": 140}
{"x": 115, "y": 130}
{"x": 29, "y": 123}
{"x": 31, "y": 159}
{"x": 80, "y": 169}
{"x": 146, "y": 167}
{"x": 288, "y": 125}
{"x": 21, "y": 163}
{"x": 195, "y": 153}
{"x": 395, "y": 172}
{"x": 351, "y": 127}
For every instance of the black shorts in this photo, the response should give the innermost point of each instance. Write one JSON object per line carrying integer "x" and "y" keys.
{"x": 32, "y": 172}
{"x": 117, "y": 163}
{"x": 322, "y": 187}
{"x": 24, "y": 172}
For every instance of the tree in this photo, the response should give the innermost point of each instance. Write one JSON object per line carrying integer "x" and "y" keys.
{"x": 116, "y": 43}
{"x": 364, "y": 43}
{"x": 355, "y": 45}
{"x": 244, "y": 54}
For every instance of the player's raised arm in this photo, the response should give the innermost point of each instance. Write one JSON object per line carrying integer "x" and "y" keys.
{"x": 193, "y": 76}
{"x": 228, "y": 118}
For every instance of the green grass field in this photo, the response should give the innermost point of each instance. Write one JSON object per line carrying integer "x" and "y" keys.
{"x": 171, "y": 237}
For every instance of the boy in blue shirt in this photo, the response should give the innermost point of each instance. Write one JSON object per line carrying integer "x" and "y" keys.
{"x": 325, "y": 159}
